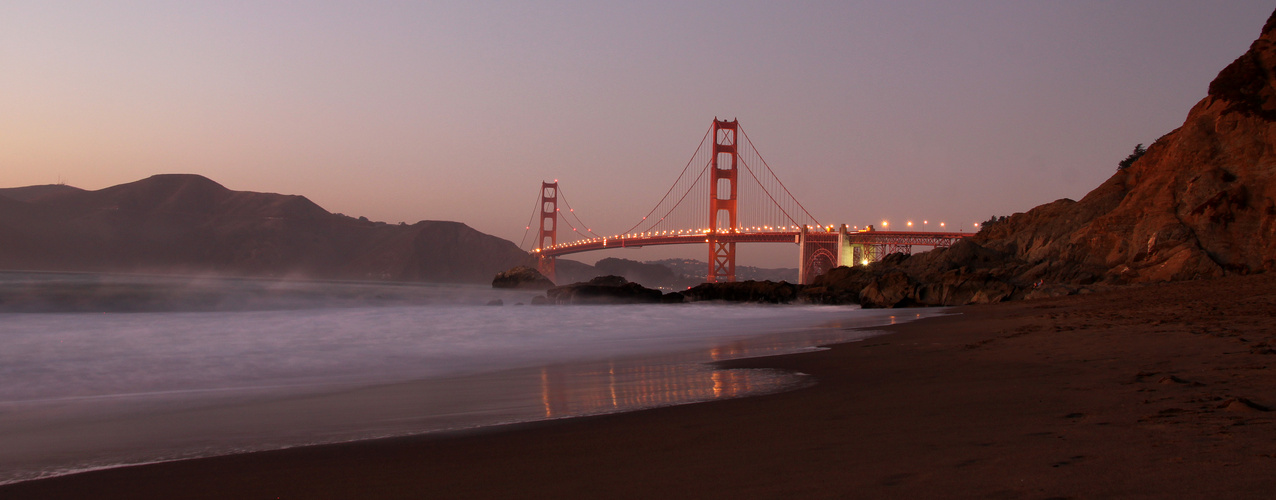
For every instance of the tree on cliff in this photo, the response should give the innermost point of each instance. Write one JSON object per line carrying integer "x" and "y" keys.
{"x": 1129, "y": 160}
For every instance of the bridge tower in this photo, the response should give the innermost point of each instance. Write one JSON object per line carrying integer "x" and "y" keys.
{"x": 548, "y": 232}
{"x": 722, "y": 201}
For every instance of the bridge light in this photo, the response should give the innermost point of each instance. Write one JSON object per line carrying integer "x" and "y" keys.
{"x": 865, "y": 262}
{"x": 941, "y": 224}
{"x": 885, "y": 224}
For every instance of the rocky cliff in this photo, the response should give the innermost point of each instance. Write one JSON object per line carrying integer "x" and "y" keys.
{"x": 1200, "y": 203}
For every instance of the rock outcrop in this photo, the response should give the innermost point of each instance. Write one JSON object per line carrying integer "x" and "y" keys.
{"x": 1200, "y": 203}
{"x": 603, "y": 290}
{"x": 767, "y": 292}
{"x": 522, "y": 277}
{"x": 966, "y": 273}
{"x": 653, "y": 275}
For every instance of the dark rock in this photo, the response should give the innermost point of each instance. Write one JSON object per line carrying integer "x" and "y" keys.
{"x": 891, "y": 289}
{"x": 769, "y": 292}
{"x": 608, "y": 280}
{"x": 841, "y": 285}
{"x": 522, "y": 277}
{"x": 639, "y": 272}
{"x": 603, "y": 290}
{"x": 496, "y": 302}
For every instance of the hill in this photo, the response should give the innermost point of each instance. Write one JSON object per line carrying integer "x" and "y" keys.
{"x": 188, "y": 224}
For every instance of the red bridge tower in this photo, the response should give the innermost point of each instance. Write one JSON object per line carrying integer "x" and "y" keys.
{"x": 548, "y": 233}
{"x": 722, "y": 201}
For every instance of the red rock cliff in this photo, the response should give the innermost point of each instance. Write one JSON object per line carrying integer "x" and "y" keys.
{"x": 1200, "y": 203}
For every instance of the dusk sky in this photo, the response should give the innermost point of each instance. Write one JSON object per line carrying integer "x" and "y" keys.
{"x": 406, "y": 111}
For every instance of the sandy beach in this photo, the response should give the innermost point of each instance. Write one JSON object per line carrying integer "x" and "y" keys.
{"x": 1161, "y": 391}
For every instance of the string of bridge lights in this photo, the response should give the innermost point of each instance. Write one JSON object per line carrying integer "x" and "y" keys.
{"x": 702, "y": 232}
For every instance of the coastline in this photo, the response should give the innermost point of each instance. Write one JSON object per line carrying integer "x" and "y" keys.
{"x": 57, "y": 437}
{"x": 1156, "y": 391}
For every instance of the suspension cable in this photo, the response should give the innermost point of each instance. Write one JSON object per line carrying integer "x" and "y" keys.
{"x": 776, "y": 177}
{"x": 572, "y": 211}
{"x": 679, "y": 203}
{"x": 675, "y": 183}
{"x": 535, "y": 204}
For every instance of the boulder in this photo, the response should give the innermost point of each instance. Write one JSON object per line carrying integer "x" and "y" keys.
{"x": 603, "y": 290}
{"x": 769, "y": 292}
{"x": 840, "y": 285}
{"x": 522, "y": 277}
{"x": 892, "y": 288}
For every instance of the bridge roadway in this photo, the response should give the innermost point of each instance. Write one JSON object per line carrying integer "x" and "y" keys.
{"x": 896, "y": 238}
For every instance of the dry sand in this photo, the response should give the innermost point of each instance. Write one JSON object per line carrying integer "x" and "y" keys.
{"x": 1162, "y": 391}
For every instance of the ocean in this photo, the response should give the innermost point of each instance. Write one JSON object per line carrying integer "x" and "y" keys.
{"x": 103, "y": 371}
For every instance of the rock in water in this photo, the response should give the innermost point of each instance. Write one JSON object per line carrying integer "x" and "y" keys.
{"x": 603, "y": 290}
{"x": 522, "y": 277}
{"x": 769, "y": 292}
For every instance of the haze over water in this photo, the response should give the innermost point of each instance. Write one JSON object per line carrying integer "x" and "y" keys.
{"x": 250, "y": 365}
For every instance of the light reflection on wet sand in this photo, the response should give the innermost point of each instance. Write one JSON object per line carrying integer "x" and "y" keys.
{"x": 644, "y": 382}
{"x": 571, "y": 392}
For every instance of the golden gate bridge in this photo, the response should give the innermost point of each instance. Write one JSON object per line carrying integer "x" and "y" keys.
{"x": 751, "y": 208}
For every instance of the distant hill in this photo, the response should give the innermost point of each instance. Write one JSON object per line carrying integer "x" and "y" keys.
{"x": 188, "y": 224}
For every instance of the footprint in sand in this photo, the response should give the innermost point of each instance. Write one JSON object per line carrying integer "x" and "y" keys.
{"x": 1176, "y": 380}
{"x": 1243, "y": 405}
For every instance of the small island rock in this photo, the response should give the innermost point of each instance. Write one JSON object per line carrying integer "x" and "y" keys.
{"x": 522, "y": 277}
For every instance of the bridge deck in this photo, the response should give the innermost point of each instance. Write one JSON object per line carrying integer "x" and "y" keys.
{"x": 862, "y": 238}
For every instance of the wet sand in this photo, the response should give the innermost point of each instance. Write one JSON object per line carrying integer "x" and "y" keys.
{"x": 1153, "y": 392}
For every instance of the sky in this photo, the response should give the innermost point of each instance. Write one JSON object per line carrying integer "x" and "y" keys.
{"x": 953, "y": 110}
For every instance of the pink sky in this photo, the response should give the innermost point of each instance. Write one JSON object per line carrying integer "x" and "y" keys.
{"x": 403, "y": 111}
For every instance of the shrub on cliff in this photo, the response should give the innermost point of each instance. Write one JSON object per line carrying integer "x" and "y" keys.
{"x": 1139, "y": 150}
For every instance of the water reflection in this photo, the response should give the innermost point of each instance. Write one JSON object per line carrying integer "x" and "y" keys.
{"x": 568, "y": 391}
{"x": 627, "y": 384}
